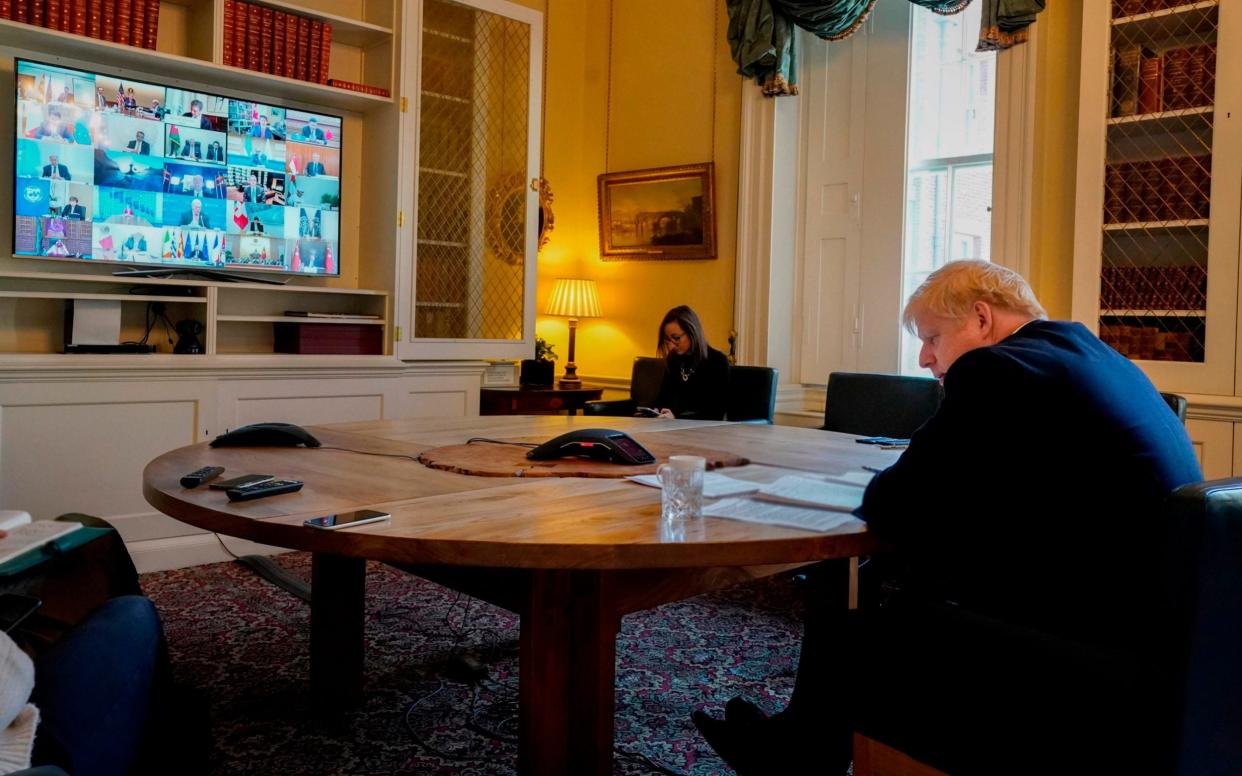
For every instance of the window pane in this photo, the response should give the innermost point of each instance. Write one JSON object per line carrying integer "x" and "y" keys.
{"x": 972, "y": 213}
{"x": 952, "y": 88}
{"x": 951, "y": 117}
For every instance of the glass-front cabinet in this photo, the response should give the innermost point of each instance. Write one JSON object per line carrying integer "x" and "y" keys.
{"x": 468, "y": 290}
{"x": 1156, "y": 237}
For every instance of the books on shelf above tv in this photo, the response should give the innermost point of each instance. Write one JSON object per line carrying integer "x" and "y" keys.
{"x": 270, "y": 37}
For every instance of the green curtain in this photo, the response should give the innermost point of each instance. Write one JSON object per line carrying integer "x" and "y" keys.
{"x": 762, "y": 39}
{"x": 1005, "y": 22}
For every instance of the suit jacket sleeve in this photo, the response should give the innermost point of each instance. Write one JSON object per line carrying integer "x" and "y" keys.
{"x": 909, "y": 504}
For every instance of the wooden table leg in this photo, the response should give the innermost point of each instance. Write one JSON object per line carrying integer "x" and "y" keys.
{"x": 338, "y": 585}
{"x": 567, "y": 675}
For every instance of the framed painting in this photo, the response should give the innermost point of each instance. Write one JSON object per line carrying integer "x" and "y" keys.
{"x": 661, "y": 213}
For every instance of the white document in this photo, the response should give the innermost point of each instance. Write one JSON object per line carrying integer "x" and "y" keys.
{"x": 27, "y": 537}
{"x": 861, "y": 479}
{"x": 11, "y": 518}
{"x": 770, "y": 513}
{"x": 715, "y": 485}
{"x": 804, "y": 491}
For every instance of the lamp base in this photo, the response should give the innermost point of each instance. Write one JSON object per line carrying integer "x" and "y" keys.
{"x": 569, "y": 384}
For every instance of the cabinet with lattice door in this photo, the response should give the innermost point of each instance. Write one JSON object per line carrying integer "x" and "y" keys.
{"x": 469, "y": 282}
{"x": 1159, "y": 178}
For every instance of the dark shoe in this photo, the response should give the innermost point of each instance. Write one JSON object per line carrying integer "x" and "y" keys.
{"x": 731, "y": 741}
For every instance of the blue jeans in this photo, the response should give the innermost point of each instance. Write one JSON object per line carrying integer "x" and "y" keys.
{"x": 93, "y": 688}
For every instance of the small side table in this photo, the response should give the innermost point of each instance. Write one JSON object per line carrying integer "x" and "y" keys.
{"x": 528, "y": 400}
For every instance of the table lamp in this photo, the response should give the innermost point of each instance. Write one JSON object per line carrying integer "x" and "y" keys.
{"x": 573, "y": 298}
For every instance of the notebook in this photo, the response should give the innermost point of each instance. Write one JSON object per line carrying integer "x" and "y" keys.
{"x": 25, "y": 538}
{"x": 771, "y": 513}
{"x": 714, "y": 485}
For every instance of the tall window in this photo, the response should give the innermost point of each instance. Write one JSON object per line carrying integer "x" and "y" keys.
{"x": 951, "y": 115}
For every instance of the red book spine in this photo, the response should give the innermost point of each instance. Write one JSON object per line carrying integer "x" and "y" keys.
{"x": 66, "y": 15}
{"x": 19, "y": 11}
{"x": 124, "y": 20}
{"x": 240, "y": 25}
{"x": 138, "y": 24}
{"x": 315, "y": 44}
{"x": 325, "y": 53}
{"x": 301, "y": 58}
{"x": 94, "y": 18}
{"x": 52, "y": 20}
{"x": 278, "y": 43}
{"x": 107, "y": 30}
{"x": 254, "y": 23}
{"x": 77, "y": 25}
{"x": 151, "y": 29}
{"x": 265, "y": 42}
{"x": 229, "y": 24}
{"x": 291, "y": 46}
{"x": 6, "y": 9}
{"x": 1151, "y": 74}
{"x": 34, "y": 12}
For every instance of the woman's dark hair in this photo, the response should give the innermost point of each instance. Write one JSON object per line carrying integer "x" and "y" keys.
{"x": 689, "y": 322}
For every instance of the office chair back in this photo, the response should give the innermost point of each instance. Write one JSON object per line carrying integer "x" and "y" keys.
{"x": 646, "y": 376}
{"x": 752, "y": 394}
{"x": 878, "y": 404}
{"x": 1197, "y": 613}
{"x": 1177, "y": 404}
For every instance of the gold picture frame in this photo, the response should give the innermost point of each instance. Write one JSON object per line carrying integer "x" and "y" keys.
{"x": 662, "y": 213}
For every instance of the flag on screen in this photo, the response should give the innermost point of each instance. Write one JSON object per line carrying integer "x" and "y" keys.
{"x": 329, "y": 264}
{"x": 297, "y": 259}
{"x": 239, "y": 215}
{"x": 166, "y": 246}
{"x": 181, "y": 246}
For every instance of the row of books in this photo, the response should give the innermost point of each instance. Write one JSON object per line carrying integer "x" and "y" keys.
{"x": 1123, "y": 8}
{"x": 1153, "y": 288}
{"x": 357, "y": 87}
{"x": 1146, "y": 81}
{"x": 132, "y": 22}
{"x": 270, "y": 41}
{"x": 1151, "y": 343}
{"x": 1173, "y": 189}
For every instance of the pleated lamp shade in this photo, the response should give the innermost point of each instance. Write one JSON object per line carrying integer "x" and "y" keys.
{"x": 574, "y": 298}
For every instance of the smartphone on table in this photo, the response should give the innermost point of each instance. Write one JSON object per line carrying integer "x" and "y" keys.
{"x": 347, "y": 519}
{"x": 646, "y": 412}
{"x": 238, "y": 482}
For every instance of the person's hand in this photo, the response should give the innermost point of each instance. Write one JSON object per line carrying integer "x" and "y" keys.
{"x": 666, "y": 414}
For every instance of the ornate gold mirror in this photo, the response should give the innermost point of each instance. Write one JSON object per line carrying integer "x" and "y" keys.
{"x": 506, "y": 217}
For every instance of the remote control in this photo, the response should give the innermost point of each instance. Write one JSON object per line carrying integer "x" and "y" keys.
{"x": 261, "y": 489}
{"x": 199, "y": 476}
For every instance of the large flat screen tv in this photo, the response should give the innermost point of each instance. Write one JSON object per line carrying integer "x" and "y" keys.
{"x": 116, "y": 170}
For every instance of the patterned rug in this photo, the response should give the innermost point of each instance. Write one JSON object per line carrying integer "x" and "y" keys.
{"x": 245, "y": 643}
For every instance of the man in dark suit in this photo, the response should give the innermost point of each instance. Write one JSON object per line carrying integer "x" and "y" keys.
{"x": 314, "y": 167}
{"x": 55, "y": 170}
{"x": 253, "y": 192}
{"x": 139, "y": 144}
{"x": 312, "y": 132}
{"x": 1029, "y": 501}
{"x": 195, "y": 217}
{"x": 196, "y": 112}
{"x": 73, "y": 211}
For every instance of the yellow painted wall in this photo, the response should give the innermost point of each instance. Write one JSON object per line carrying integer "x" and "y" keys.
{"x": 629, "y": 86}
{"x": 1056, "y": 144}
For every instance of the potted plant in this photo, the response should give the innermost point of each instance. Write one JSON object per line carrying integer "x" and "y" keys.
{"x": 540, "y": 370}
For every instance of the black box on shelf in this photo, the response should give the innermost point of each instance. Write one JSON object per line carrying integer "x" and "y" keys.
{"x": 352, "y": 339}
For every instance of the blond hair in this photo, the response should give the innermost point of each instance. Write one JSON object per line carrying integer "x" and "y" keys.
{"x": 952, "y": 290}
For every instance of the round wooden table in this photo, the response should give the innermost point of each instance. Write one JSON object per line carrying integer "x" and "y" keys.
{"x": 569, "y": 555}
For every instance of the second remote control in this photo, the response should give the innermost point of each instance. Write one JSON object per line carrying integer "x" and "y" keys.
{"x": 199, "y": 476}
{"x": 261, "y": 489}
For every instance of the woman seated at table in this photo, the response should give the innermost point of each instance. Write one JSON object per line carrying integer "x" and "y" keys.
{"x": 696, "y": 375}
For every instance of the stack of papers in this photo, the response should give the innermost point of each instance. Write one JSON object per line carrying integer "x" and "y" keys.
{"x": 804, "y": 491}
{"x": 715, "y": 485}
{"x": 861, "y": 479}
{"x": 769, "y": 513}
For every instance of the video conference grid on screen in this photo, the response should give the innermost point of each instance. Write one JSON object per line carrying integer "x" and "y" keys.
{"x": 115, "y": 170}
